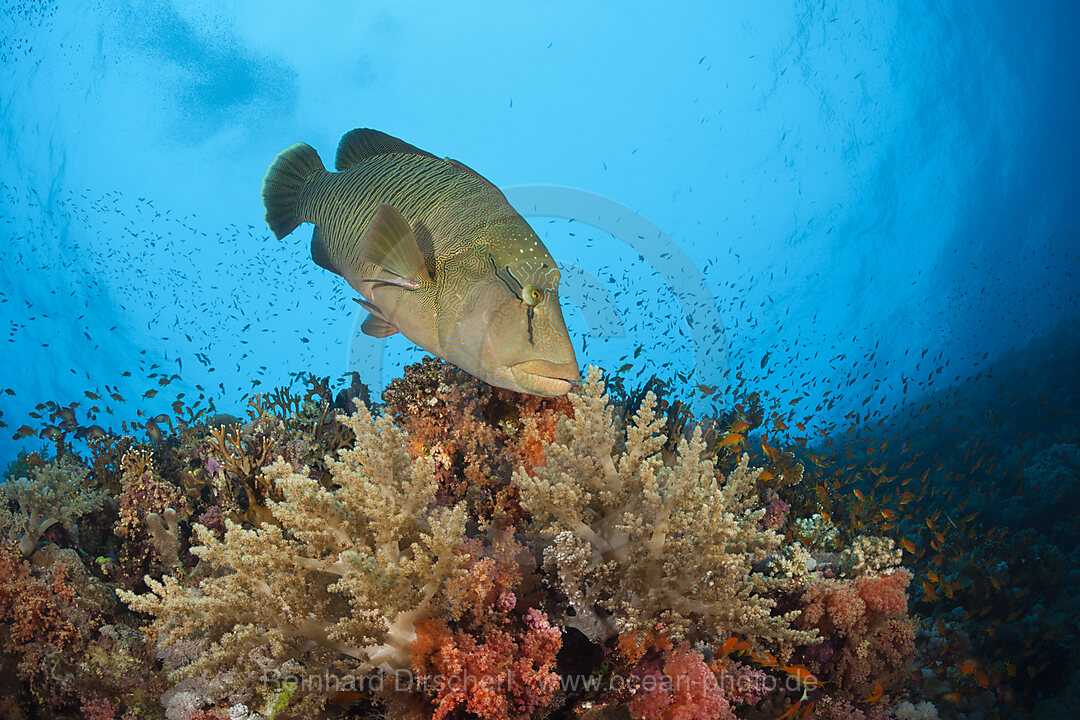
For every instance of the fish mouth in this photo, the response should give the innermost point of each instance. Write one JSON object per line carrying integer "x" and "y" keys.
{"x": 541, "y": 377}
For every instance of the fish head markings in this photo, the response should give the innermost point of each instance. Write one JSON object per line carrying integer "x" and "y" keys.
{"x": 500, "y": 319}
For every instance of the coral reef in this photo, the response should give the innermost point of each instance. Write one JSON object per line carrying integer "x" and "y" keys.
{"x": 636, "y": 543}
{"x": 347, "y": 572}
{"x": 475, "y": 433}
{"x": 465, "y": 552}
{"x": 54, "y": 493}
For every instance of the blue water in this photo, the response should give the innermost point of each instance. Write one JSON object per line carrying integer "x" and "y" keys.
{"x": 853, "y": 183}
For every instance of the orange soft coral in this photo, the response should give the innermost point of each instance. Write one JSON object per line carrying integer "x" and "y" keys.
{"x": 869, "y": 637}
{"x": 500, "y": 677}
{"x": 475, "y": 433}
{"x": 687, "y": 690}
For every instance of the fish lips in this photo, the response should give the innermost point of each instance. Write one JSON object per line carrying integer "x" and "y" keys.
{"x": 541, "y": 377}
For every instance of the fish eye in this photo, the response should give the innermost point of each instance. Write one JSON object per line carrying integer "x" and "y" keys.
{"x": 530, "y": 294}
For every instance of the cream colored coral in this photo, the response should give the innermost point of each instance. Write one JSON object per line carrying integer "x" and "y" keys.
{"x": 55, "y": 493}
{"x": 870, "y": 556}
{"x": 818, "y": 532}
{"x": 636, "y": 542}
{"x": 792, "y": 562}
{"x": 909, "y": 711}
{"x": 346, "y": 573}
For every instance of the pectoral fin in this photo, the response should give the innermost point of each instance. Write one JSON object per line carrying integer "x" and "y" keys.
{"x": 390, "y": 244}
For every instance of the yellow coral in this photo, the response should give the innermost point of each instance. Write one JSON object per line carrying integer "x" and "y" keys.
{"x": 637, "y": 542}
{"x": 346, "y": 573}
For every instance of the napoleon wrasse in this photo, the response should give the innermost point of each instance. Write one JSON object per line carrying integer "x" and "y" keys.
{"x": 436, "y": 253}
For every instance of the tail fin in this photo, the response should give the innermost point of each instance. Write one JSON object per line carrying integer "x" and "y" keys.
{"x": 283, "y": 183}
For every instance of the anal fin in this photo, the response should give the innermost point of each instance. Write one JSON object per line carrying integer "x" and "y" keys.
{"x": 377, "y": 326}
{"x": 320, "y": 253}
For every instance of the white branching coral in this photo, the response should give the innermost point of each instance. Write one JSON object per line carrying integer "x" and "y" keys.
{"x": 345, "y": 573}
{"x": 55, "y": 493}
{"x": 637, "y": 542}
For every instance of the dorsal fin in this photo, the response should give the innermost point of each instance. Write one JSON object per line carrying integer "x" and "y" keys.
{"x": 363, "y": 143}
{"x": 462, "y": 167}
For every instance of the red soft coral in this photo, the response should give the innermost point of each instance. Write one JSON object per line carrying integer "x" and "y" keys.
{"x": 499, "y": 678}
{"x": 868, "y": 636}
{"x": 36, "y": 606}
{"x": 476, "y": 434}
{"x": 497, "y": 661}
{"x": 688, "y": 690}
{"x": 482, "y": 589}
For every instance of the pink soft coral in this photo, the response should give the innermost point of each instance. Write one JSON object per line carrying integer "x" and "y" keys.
{"x": 498, "y": 678}
{"x": 496, "y": 662}
{"x": 688, "y": 690}
{"x": 868, "y": 636}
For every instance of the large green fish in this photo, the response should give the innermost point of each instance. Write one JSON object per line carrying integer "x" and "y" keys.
{"x": 437, "y": 254}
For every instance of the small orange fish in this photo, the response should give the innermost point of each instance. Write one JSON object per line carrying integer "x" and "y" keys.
{"x": 732, "y": 439}
{"x": 875, "y": 694}
{"x": 803, "y": 675}
{"x": 929, "y": 590}
{"x": 792, "y": 711}
{"x": 907, "y": 545}
{"x": 858, "y": 494}
{"x": 730, "y": 645}
{"x": 770, "y": 451}
{"x": 764, "y": 659}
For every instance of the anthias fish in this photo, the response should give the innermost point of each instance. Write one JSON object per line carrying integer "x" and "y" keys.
{"x": 437, "y": 254}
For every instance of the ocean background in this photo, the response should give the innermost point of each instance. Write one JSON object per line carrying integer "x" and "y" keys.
{"x": 855, "y": 184}
{"x": 859, "y": 210}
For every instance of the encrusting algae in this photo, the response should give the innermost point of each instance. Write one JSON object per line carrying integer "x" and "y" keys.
{"x": 458, "y": 551}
